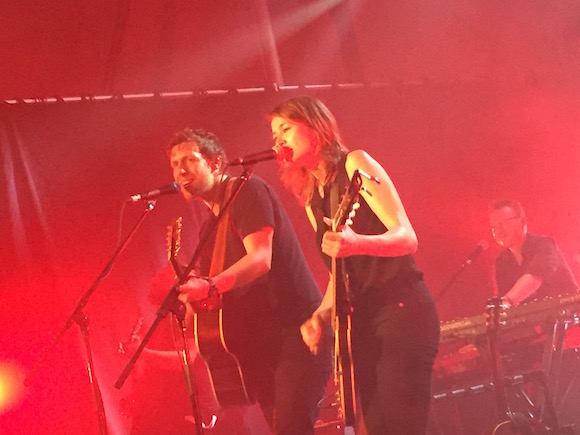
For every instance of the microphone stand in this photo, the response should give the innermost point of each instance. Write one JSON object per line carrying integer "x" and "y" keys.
{"x": 81, "y": 319}
{"x": 452, "y": 279}
{"x": 173, "y": 304}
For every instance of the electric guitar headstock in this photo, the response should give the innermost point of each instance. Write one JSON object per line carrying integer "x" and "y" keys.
{"x": 495, "y": 313}
{"x": 348, "y": 203}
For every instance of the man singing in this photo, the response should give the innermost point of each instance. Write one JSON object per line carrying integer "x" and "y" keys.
{"x": 267, "y": 288}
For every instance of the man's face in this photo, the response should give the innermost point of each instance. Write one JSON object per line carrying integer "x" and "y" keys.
{"x": 191, "y": 169}
{"x": 508, "y": 227}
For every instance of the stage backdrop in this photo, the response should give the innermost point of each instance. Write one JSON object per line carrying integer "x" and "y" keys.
{"x": 68, "y": 169}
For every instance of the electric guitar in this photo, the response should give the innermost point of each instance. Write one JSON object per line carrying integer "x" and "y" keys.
{"x": 224, "y": 369}
{"x": 342, "y": 309}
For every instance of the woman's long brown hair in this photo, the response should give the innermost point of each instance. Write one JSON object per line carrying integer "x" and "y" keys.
{"x": 315, "y": 115}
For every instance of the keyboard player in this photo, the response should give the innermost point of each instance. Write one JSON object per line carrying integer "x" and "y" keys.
{"x": 531, "y": 266}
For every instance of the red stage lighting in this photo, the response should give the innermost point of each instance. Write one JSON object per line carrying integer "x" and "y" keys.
{"x": 11, "y": 385}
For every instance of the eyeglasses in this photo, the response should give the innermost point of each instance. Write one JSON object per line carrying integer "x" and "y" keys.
{"x": 502, "y": 224}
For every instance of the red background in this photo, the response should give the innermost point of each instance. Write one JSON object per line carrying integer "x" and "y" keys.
{"x": 462, "y": 102}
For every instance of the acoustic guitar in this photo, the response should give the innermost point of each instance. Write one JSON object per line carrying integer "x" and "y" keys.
{"x": 224, "y": 369}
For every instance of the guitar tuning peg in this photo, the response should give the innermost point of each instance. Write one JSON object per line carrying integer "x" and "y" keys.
{"x": 365, "y": 190}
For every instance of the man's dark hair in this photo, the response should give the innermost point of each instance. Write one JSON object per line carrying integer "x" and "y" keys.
{"x": 209, "y": 144}
{"x": 505, "y": 202}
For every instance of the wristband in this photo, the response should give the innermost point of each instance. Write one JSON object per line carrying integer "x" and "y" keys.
{"x": 213, "y": 291}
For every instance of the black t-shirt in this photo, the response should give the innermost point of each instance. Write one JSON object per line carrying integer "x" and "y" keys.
{"x": 283, "y": 298}
{"x": 542, "y": 258}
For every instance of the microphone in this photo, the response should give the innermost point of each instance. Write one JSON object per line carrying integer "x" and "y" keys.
{"x": 277, "y": 152}
{"x": 482, "y": 246}
{"x": 156, "y": 193}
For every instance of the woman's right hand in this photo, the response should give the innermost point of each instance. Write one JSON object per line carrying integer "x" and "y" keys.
{"x": 311, "y": 331}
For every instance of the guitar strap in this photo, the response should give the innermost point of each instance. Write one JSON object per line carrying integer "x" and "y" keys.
{"x": 334, "y": 195}
{"x": 338, "y": 186}
{"x": 219, "y": 247}
{"x": 336, "y": 191}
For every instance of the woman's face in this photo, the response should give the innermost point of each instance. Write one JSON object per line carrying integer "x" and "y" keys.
{"x": 300, "y": 138}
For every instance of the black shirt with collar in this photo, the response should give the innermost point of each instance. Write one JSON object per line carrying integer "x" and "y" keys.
{"x": 541, "y": 258}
